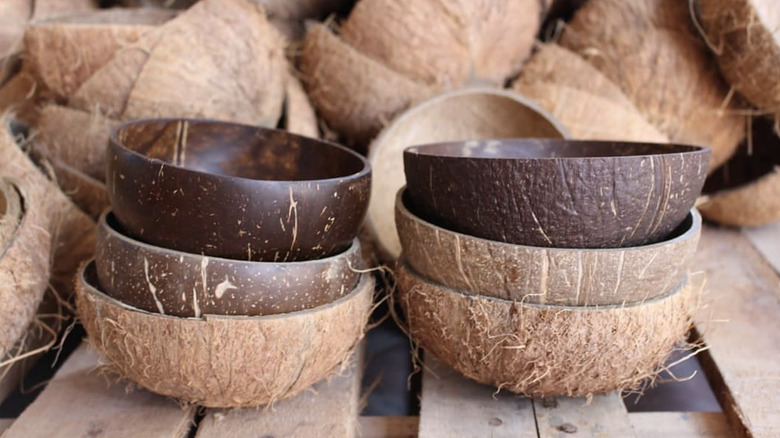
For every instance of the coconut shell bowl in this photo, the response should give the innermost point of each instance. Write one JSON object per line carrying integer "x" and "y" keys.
{"x": 556, "y": 193}
{"x": 235, "y": 191}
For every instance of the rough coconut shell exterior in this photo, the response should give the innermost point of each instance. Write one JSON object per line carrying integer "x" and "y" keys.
{"x": 470, "y": 113}
{"x": 540, "y": 350}
{"x": 445, "y": 43}
{"x": 652, "y": 51}
{"x": 11, "y": 212}
{"x": 745, "y": 35}
{"x": 223, "y": 361}
{"x": 355, "y": 94}
{"x": 63, "y": 52}
{"x": 573, "y": 277}
{"x": 588, "y": 104}
{"x": 24, "y": 267}
{"x": 220, "y": 59}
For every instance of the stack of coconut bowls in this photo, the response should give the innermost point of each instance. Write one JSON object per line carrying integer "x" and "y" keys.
{"x": 550, "y": 267}
{"x": 228, "y": 272}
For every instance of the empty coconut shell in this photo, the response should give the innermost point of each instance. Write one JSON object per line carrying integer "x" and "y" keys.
{"x": 744, "y": 36}
{"x": 470, "y": 113}
{"x": 64, "y": 51}
{"x": 196, "y": 360}
{"x": 556, "y": 193}
{"x": 745, "y": 191}
{"x": 24, "y": 264}
{"x": 235, "y": 191}
{"x": 574, "y": 277}
{"x": 544, "y": 350}
{"x": 588, "y": 104}
{"x": 175, "y": 283}
{"x": 652, "y": 51}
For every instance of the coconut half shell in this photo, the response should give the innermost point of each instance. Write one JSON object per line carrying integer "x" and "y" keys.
{"x": 746, "y": 37}
{"x": 559, "y": 276}
{"x": 223, "y": 361}
{"x": 355, "y": 94}
{"x": 543, "y": 350}
{"x": 586, "y": 102}
{"x": 470, "y": 113}
{"x": 24, "y": 266}
{"x": 63, "y": 52}
{"x": 652, "y": 51}
{"x": 299, "y": 115}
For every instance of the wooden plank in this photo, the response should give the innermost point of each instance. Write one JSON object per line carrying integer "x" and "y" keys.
{"x": 388, "y": 427}
{"x": 680, "y": 425}
{"x": 329, "y": 409}
{"x": 766, "y": 239}
{"x": 453, "y": 406}
{"x": 740, "y": 322}
{"x": 5, "y": 423}
{"x": 605, "y": 416}
{"x": 80, "y": 403}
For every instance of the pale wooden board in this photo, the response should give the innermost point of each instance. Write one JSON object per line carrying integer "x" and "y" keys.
{"x": 453, "y": 406}
{"x": 740, "y": 322}
{"x": 680, "y": 425}
{"x": 329, "y": 409}
{"x": 767, "y": 240}
{"x": 605, "y": 416}
{"x": 5, "y": 423}
{"x": 388, "y": 427}
{"x": 80, "y": 403}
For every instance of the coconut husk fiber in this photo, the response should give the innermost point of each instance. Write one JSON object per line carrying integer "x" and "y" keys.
{"x": 71, "y": 233}
{"x": 466, "y": 114}
{"x": 63, "y": 52}
{"x": 19, "y": 96}
{"x": 745, "y": 191}
{"x": 224, "y": 361}
{"x": 24, "y": 267}
{"x": 220, "y": 59}
{"x": 586, "y": 102}
{"x": 299, "y": 115}
{"x": 391, "y": 54}
{"x": 652, "y": 51}
{"x": 744, "y": 36}
{"x": 540, "y": 350}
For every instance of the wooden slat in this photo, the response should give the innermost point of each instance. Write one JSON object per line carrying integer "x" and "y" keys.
{"x": 330, "y": 409}
{"x": 605, "y": 416}
{"x": 741, "y": 325}
{"x": 80, "y": 403}
{"x": 453, "y": 406}
{"x": 767, "y": 240}
{"x": 389, "y": 427}
{"x": 680, "y": 425}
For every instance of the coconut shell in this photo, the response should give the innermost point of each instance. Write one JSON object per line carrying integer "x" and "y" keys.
{"x": 11, "y": 212}
{"x": 544, "y": 350}
{"x": 652, "y": 51}
{"x": 299, "y": 116}
{"x": 588, "y": 104}
{"x": 575, "y": 277}
{"x": 71, "y": 232}
{"x": 197, "y": 359}
{"x": 76, "y": 138}
{"x": 63, "y": 52}
{"x": 746, "y": 37}
{"x": 471, "y": 113}
{"x": 19, "y": 96}
{"x": 13, "y": 17}
{"x": 445, "y": 43}
{"x": 24, "y": 266}
{"x": 220, "y": 59}
{"x": 745, "y": 191}
{"x": 355, "y": 94}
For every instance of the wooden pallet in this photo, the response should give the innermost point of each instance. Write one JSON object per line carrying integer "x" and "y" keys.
{"x": 740, "y": 325}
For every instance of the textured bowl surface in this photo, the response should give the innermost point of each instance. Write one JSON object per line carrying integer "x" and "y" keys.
{"x": 235, "y": 191}
{"x": 556, "y": 193}
{"x": 563, "y": 276}
{"x": 223, "y": 361}
{"x": 181, "y": 284}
